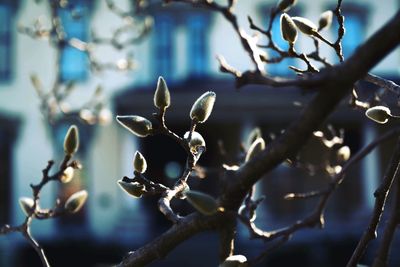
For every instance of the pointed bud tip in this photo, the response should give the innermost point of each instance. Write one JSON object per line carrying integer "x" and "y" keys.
{"x": 71, "y": 140}
{"x": 203, "y": 107}
{"x": 76, "y": 201}
{"x": 139, "y": 162}
{"x": 162, "y": 98}
{"x": 137, "y": 125}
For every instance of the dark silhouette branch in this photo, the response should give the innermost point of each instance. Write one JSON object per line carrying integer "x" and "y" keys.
{"x": 380, "y": 200}
{"x": 384, "y": 249}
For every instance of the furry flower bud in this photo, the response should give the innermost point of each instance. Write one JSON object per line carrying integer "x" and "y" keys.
{"x": 137, "y": 125}
{"x": 67, "y": 175}
{"x": 306, "y": 26}
{"x": 235, "y": 261}
{"x": 133, "y": 189}
{"x": 288, "y": 28}
{"x": 26, "y": 205}
{"x": 285, "y": 5}
{"x": 379, "y": 114}
{"x": 202, "y": 202}
{"x": 196, "y": 142}
{"x": 139, "y": 163}
{"x": 76, "y": 201}
{"x": 162, "y": 98}
{"x": 202, "y": 108}
{"x": 343, "y": 154}
{"x": 325, "y": 20}
{"x": 71, "y": 140}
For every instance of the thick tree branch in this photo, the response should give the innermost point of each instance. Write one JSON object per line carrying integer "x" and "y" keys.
{"x": 337, "y": 84}
{"x": 178, "y": 233}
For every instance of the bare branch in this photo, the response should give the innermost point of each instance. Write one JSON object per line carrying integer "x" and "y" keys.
{"x": 380, "y": 201}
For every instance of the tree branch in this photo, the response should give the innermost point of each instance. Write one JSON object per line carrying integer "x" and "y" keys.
{"x": 380, "y": 201}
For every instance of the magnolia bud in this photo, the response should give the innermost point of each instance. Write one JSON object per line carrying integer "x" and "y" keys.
{"x": 139, "y": 126}
{"x": 162, "y": 98}
{"x": 204, "y": 203}
{"x": 343, "y": 154}
{"x": 76, "y": 201}
{"x": 202, "y": 108}
{"x": 71, "y": 141}
{"x": 139, "y": 163}
{"x": 67, "y": 175}
{"x": 288, "y": 28}
{"x": 306, "y": 26}
{"x": 235, "y": 261}
{"x": 256, "y": 148}
{"x": 325, "y": 20}
{"x": 196, "y": 142}
{"x": 285, "y": 5}
{"x": 133, "y": 189}
{"x": 379, "y": 114}
{"x": 26, "y": 204}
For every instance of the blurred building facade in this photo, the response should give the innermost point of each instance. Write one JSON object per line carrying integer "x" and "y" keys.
{"x": 182, "y": 48}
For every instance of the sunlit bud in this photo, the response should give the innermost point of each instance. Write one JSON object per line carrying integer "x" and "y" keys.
{"x": 71, "y": 141}
{"x": 202, "y": 108}
{"x": 87, "y": 115}
{"x": 379, "y": 114}
{"x": 67, "y": 175}
{"x": 203, "y": 203}
{"x": 285, "y": 5}
{"x": 288, "y": 28}
{"x": 257, "y": 147}
{"x": 235, "y": 261}
{"x": 76, "y": 201}
{"x": 105, "y": 116}
{"x": 196, "y": 142}
{"x": 343, "y": 154}
{"x": 139, "y": 126}
{"x": 162, "y": 98}
{"x": 325, "y": 20}
{"x": 139, "y": 163}
{"x": 306, "y": 26}
{"x": 133, "y": 189}
{"x": 26, "y": 204}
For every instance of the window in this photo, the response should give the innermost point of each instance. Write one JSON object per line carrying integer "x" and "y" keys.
{"x": 73, "y": 64}
{"x": 164, "y": 45}
{"x": 197, "y": 45}
{"x": 6, "y": 14}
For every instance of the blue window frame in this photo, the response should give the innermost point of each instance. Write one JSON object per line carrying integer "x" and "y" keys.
{"x": 6, "y": 13}
{"x": 73, "y": 62}
{"x": 197, "y": 45}
{"x": 164, "y": 45}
